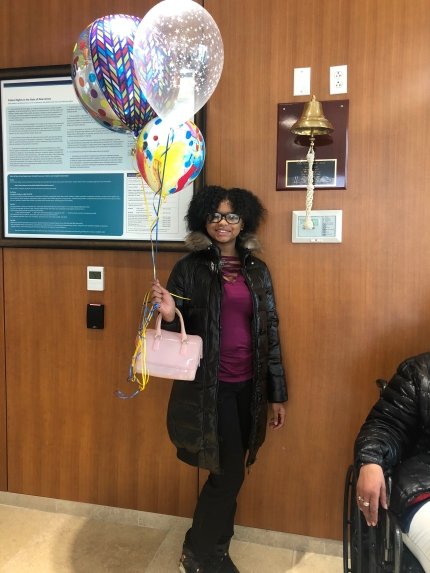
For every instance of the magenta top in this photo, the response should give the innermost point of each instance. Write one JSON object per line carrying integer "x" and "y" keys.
{"x": 236, "y": 315}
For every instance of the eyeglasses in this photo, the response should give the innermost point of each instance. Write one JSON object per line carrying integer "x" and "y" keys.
{"x": 231, "y": 218}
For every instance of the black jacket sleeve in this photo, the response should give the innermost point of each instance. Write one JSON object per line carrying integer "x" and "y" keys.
{"x": 392, "y": 425}
{"x": 277, "y": 388}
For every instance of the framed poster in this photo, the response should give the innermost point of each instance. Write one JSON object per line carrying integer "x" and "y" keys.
{"x": 331, "y": 151}
{"x": 67, "y": 181}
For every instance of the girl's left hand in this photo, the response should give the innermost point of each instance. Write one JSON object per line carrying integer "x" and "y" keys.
{"x": 277, "y": 418}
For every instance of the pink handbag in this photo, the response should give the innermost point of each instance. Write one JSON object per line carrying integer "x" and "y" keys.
{"x": 172, "y": 355}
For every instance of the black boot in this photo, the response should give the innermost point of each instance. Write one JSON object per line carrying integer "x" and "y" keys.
{"x": 189, "y": 563}
{"x": 226, "y": 565}
{"x": 192, "y": 562}
{"x": 217, "y": 563}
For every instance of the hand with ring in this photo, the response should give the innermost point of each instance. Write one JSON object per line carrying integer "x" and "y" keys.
{"x": 361, "y": 500}
{"x": 371, "y": 492}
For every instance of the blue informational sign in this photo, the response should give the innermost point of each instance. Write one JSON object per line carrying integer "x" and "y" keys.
{"x": 67, "y": 177}
{"x": 56, "y": 204}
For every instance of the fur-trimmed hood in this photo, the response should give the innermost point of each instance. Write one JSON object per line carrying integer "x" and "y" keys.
{"x": 197, "y": 241}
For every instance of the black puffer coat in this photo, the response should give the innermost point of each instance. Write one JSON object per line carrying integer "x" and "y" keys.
{"x": 192, "y": 411}
{"x": 396, "y": 433}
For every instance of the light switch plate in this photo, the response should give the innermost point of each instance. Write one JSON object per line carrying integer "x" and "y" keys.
{"x": 327, "y": 227}
{"x": 302, "y": 81}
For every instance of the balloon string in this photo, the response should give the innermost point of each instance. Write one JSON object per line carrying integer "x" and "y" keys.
{"x": 152, "y": 219}
{"x": 138, "y": 360}
{"x": 148, "y": 309}
{"x": 161, "y": 197}
{"x": 139, "y": 355}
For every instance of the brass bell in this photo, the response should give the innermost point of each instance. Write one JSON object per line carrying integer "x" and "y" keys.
{"x": 312, "y": 121}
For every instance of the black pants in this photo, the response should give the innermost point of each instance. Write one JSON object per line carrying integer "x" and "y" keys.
{"x": 213, "y": 521}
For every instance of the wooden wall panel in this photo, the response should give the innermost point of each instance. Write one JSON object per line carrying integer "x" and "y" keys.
{"x": 351, "y": 312}
{"x": 45, "y": 35}
{"x": 3, "y": 395}
{"x": 69, "y": 436}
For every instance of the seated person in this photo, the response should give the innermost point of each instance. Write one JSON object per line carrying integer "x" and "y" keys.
{"x": 396, "y": 437}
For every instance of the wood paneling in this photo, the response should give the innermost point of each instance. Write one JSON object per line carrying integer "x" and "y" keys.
{"x": 69, "y": 436}
{"x": 3, "y": 437}
{"x": 349, "y": 313}
{"x": 45, "y": 35}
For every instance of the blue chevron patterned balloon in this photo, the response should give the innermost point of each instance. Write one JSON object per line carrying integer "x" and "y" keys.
{"x": 110, "y": 56}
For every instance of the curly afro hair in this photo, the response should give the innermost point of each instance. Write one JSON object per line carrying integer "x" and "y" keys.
{"x": 207, "y": 201}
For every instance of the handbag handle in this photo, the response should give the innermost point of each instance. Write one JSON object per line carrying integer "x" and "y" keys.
{"x": 184, "y": 338}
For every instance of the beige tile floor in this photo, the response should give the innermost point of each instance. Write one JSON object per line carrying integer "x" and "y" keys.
{"x": 93, "y": 539}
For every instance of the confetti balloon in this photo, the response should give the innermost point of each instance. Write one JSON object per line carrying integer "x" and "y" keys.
{"x": 178, "y": 57}
{"x": 170, "y": 158}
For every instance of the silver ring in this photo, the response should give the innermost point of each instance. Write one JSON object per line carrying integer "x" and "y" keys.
{"x": 361, "y": 499}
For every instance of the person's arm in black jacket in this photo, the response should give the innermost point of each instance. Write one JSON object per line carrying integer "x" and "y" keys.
{"x": 389, "y": 430}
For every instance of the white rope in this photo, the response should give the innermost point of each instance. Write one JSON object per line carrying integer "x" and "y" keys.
{"x": 308, "y": 224}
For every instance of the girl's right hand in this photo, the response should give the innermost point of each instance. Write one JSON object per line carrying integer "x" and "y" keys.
{"x": 161, "y": 297}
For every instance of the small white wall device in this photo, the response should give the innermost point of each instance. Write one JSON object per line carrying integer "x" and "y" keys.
{"x": 95, "y": 278}
{"x": 327, "y": 227}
